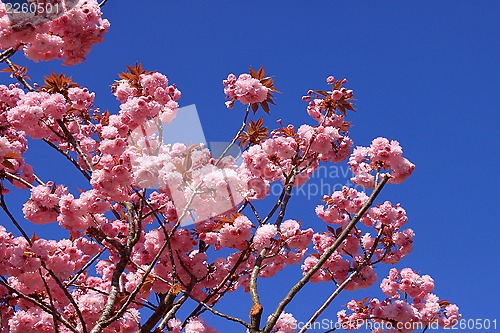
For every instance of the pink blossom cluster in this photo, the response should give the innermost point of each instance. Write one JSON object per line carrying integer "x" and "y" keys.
{"x": 127, "y": 165}
{"x": 43, "y": 204}
{"x": 13, "y": 143}
{"x": 343, "y": 261}
{"x": 288, "y": 249}
{"x": 341, "y": 205}
{"x": 328, "y": 107}
{"x": 199, "y": 187}
{"x": 64, "y": 257}
{"x": 245, "y": 88}
{"x": 286, "y": 150}
{"x": 69, "y": 36}
{"x": 125, "y": 148}
{"x": 80, "y": 98}
{"x": 194, "y": 325}
{"x": 316, "y": 109}
{"x": 326, "y": 142}
{"x": 81, "y": 213}
{"x": 277, "y": 157}
{"x": 32, "y": 320}
{"x": 381, "y": 155}
{"x": 35, "y": 113}
{"x": 410, "y": 305}
{"x": 232, "y": 235}
{"x": 112, "y": 177}
{"x": 397, "y": 242}
{"x": 389, "y": 246}
{"x": 286, "y": 323}
{"x": 265, "y": 163}
{"x": 151, "y": 97}
{"x": 284, "y": 245}
{"x": 21, "y": 263}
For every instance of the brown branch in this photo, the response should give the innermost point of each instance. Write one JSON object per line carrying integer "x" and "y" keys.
{"x": 284, "y": 203}
{"x": 65, "y": 154}
{"x": 71, "y": 139}
{"x": 7, "y": 54}
{"x": 51, "y": 273}
{"x": 254, "y": 211}
{"x": 221, "y": 284}
{"x": 171, "y": 314}
{"x": 84, "y": 268}
{"x": 273, "y": 318}
{"x": 19, "y": 78}
{"x": 19, "y": 179}
{"x": 341, "y": 287}
{"x": 256, "y": 311}
{"x": 146, "y": 303}
{"x": 11, "y": 217}
{"x": 66, "y": 293}
{"x": 222, "y": 315}
{"x": 166, "y": 303}
{"x": 107, "y": 312}
{"x": 51, "y": 300}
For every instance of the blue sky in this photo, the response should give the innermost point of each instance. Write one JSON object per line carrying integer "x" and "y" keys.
{"x": 424, "y": 73}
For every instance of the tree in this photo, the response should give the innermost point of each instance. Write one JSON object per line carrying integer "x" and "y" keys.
{"x": 161, "y": 225}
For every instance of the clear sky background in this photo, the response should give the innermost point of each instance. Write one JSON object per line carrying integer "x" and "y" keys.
{"x": 425, "y": 73}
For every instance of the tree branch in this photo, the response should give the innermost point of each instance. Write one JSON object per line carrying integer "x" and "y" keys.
{"x": 341, "y": 287}
{"x": 273, "y": 318}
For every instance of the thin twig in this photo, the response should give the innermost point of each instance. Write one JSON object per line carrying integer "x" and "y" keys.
{"x": 11, "y": 217}
{"x": 235, "y": 138}
{"x": 65, "y": 154}
{"x": 71, "y": 139}
{"x": 84, "y": 268}
{"x": 223, "y": 315}
{"x": 19, "y": 179}
{"x": 21, "y": 79}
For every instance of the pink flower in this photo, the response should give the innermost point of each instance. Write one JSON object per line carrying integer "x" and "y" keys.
{"x": 43, "y": 204}
{"x": 27, "y": 115}
{"x": 257, "y": 161}
{"x": 326, "y": 141}
{"x": 80, "y": 98}
{"x": 32, "y": 320}
{"x": 405, "y": 314}
{"x": 264, "y": 236}
{"x": 286, "y": 323}
{"x": 381, "y": 155}
{"x": 245, "y": 89}
{"x": 198, "y": 325}
{"x": 340, "y": 205}
{"x": 390, "y": 288}
{"x": 70, "y": 36}
{"x": 450, "y": 317}
{"x": 237, "y": 234}
{"x": 174, "y": 325}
